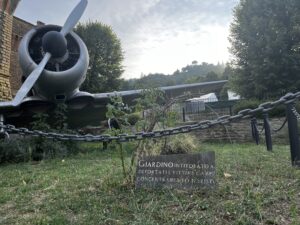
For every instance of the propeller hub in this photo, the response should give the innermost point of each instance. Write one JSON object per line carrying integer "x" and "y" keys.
{"x": 55, "y": 43}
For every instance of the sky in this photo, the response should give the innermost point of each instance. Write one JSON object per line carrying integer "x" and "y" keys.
{"x": 157, "y": 36}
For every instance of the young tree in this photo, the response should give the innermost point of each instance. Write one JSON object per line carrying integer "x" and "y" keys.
{"x": 106, "y": 57}
{"x": 265, "y": 38}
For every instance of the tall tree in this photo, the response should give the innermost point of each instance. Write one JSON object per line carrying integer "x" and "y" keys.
{"x": 106, "y": 57}
{"x": 265, "y": 38}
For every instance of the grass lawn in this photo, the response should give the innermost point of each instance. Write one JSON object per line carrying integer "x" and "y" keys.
{"x": 88, "y": 189}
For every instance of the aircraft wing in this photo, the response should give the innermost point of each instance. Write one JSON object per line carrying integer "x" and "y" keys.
{"x": 170, "y": 91}
{"x": 89, "y": 109}
{"x": 95, "y": 112}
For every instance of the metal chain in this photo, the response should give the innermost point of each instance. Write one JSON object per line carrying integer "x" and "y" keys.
{"x": 281, "y": 127}
{"x": 294, "y": 110}
{"x": 246, "y": 113}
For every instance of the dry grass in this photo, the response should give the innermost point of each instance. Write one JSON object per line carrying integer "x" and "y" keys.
{"x": 88, "y": 189}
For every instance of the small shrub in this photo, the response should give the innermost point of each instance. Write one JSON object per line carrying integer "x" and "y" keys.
{"x": 133, "y": 118}
{"x": 35, "y": 149}
{"x": 278, "y": 111}
{"x": 39, "y": 148}
{"x": 14, "y": 151}
{"x": 48, "y": 149}
{"x": 246, "y": 104}
{"x": 179, "y": 144}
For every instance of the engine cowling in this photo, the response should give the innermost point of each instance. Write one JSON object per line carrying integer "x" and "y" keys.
{"x": 62, "y": 76}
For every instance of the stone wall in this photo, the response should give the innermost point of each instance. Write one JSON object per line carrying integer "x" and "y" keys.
{"x": 12, "y": 30}
{"x": 6, "y": 22}
{"x": 241, "y": 132}
{"x": 19, "y": 29}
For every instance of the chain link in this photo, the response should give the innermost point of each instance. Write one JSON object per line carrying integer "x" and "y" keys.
{"x": 294, "y": 110}
{"x": 246, "y": 113}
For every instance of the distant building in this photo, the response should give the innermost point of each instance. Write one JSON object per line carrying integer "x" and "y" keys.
{"x": 12, "y": 29}
{"x": 196, "y": 105}
{"x": 233, "y": 96}
{"x": 210, "y": 97}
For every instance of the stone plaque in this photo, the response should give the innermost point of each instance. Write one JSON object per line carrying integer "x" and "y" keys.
{"x": 180, "y": 171}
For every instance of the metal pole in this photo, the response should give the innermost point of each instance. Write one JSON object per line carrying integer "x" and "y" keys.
{"x": 293, "y": 135}
{"x": 230, "y": 110}
{"x": 255, "y": 134}
{"x": 183, "y": 114}
{"x": 267, "y": 132}
{"x": 104, "y": 145}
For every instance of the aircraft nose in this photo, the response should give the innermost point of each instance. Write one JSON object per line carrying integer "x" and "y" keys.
{"x": 55, "y": 43}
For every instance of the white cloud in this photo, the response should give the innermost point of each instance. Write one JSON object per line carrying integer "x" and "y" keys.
{"x": 156, "y": 35}
{"x": 167, "y": 54}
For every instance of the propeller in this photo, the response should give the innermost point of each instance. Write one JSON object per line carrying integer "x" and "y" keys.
{"x": 55, "y": 46}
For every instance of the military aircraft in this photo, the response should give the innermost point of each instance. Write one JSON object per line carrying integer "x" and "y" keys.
{"x": 55, "y": 61}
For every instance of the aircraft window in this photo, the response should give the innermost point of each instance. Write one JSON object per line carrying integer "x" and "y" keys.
{"x": 36, "y": 51}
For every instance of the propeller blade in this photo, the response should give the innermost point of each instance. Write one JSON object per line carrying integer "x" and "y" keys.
{"x": 33, "y": 77}
{"x": 28, "y": 84}
{"x": 74, "y": 17}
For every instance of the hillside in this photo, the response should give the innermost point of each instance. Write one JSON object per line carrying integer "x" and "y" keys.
{"x": 188, "y": 74}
